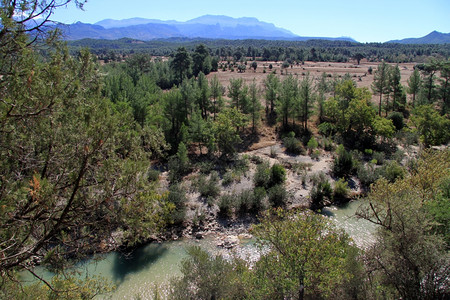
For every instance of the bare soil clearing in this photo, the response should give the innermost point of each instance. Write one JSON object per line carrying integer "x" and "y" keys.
{"x": 359, "y": 73}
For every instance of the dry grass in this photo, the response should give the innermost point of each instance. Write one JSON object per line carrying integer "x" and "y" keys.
{"x": 359, "y": 73}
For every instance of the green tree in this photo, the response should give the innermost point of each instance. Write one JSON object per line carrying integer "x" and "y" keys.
{"x": 433, "y": 128}
{"x": 414, "y": 84}
{"x": 181, "y": 64}
{"x": 69, "y": 160}
{"x": 271, "y": 84}
{"x": 396, "y": 89}
{"x": 237, "y": 91}
{"x": 287, "y": 99}
{"x": 203, "y": 95}
{"x": 306, "y": 99}
{"x": 254, "y": 105}
{"x": 306, "y": 257}
{"x": 201, "y": 60}
{"x": 408, "y": 258}
{"x": 226, "y": 130}
{"x": 216, "y": 95}
{"x": 380, "y": 83}
{"x": 208, "y": 277}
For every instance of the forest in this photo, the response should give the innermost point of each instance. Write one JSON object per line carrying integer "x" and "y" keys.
{"x": 115, "y": 146}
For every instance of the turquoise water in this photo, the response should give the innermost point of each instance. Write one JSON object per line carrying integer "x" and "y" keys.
{"x": 151, "y": 266}
{"x": 361, "y": 231}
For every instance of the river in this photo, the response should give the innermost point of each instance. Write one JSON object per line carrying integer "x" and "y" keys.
{"x": 150, "y": 266}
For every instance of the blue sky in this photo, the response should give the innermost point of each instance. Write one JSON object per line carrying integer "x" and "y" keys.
{"x": 363, "y": 20}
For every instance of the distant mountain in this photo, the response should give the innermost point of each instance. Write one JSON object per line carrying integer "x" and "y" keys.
{"x": 208, "y": 26}
{"x": 434, "y": 37}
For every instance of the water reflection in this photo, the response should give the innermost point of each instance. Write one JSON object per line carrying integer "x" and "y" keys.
{"x": 140, "y": 259}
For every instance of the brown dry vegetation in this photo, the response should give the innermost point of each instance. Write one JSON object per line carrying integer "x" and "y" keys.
{"x": 359, "y": 73}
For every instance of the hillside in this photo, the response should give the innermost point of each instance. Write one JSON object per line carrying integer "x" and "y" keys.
{"x": 434, "y": 37}
{"x": 208, "y": 26}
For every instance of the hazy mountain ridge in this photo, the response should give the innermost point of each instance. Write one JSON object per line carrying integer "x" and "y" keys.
{"x": 208, "y": 26}
{"x": 433, "y": 37}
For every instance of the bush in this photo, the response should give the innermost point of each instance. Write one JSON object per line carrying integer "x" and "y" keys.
{"x": 327, "y": 129}
{"x": 379, "y": 157}
{"x": 177, "y": 196}
{"x": 321, "y": 191}
{"x": 277, "y": 196}
{"x": 293, "y": 145}
{"x": 392, "y": 171}
{"x": 312, "y": 144}
{"x": 343, "y": 164}
{"x": 341, "y": 190}
{"x": 208, "y": 188}
{"x": 397, "y": 120}
{"x": 226, "y": 205}
{"x": 277, "y": 175}
{"x": 366, "y": 174}
{"x": 153, "y": 175}
{"x": 227, "y": 178}
{"x": 262, "y": 175}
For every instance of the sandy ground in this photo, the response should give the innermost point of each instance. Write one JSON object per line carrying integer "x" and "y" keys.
{"x": 359, "y": 73}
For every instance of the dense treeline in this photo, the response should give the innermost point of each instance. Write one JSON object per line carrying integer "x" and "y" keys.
{"x": 292, "y": 51}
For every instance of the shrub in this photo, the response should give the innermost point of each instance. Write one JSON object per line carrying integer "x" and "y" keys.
{"x": 208, "y": 188}
{"x": 262, "y": 175}
{"x": 177, "y": 196}
{"x": 320, "y": 192}
{"x": 327, "y": 129}
{"x": 312, "y": 144}
{"x": 273, "y": 152}
{"x": 366, "y": 174}
{"x": 392, "y": 171}
{"x": 226, "y": 205}
{"x": 343, "y": 164}
{"x": 153, "y": 175}
{"x": 379, "y": 157}
{"x": 293, "y": 145}
{"x": 315, "y": 155}
{"x": 341, "y": 190}
{"x": 277, "y": 196}
{"x": 397, "y": 120}
{"x": 277, "y": 175}
{"x": 227, "y": 178}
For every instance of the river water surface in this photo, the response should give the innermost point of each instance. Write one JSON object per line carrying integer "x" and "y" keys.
{"x": 139, "y": 273}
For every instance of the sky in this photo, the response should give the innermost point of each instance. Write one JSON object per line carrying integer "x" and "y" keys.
{"x": 362, "y": 20}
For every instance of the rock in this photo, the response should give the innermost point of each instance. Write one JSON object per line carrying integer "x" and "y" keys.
{"x": 229, "y": 242}
{"x": 199, "y": 235}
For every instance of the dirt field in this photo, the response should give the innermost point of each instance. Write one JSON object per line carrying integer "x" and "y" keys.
{"x": 359, "y": 73}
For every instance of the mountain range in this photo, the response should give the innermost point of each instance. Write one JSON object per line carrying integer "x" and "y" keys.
{"x": 208, "y": 26}
{"x": 434, "y": 37}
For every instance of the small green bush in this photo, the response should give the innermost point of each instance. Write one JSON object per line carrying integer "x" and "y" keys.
{"x": 293, "y": 145}
{"x": 262, "y": 175}
{"x": 153, "y": 175}
{"x": 397, "y": 120}
{"x": 379, "y": 157}
{"x": 277, "y": 175}
{"x": 208, "y": 188}
{"x": 177, "y": 196}
{"x": 343, "y": 164}
{"x": 341, "y": 191}
{"x": 227, "y": 203}
{"x": 392, "y": 171}
{"x": 227, "y": 178}
{"x": 277, "y": 196}
{"x": 312, "y": 144}
{"x": 327, "y": 129}
{"x": 321, "y": 191}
